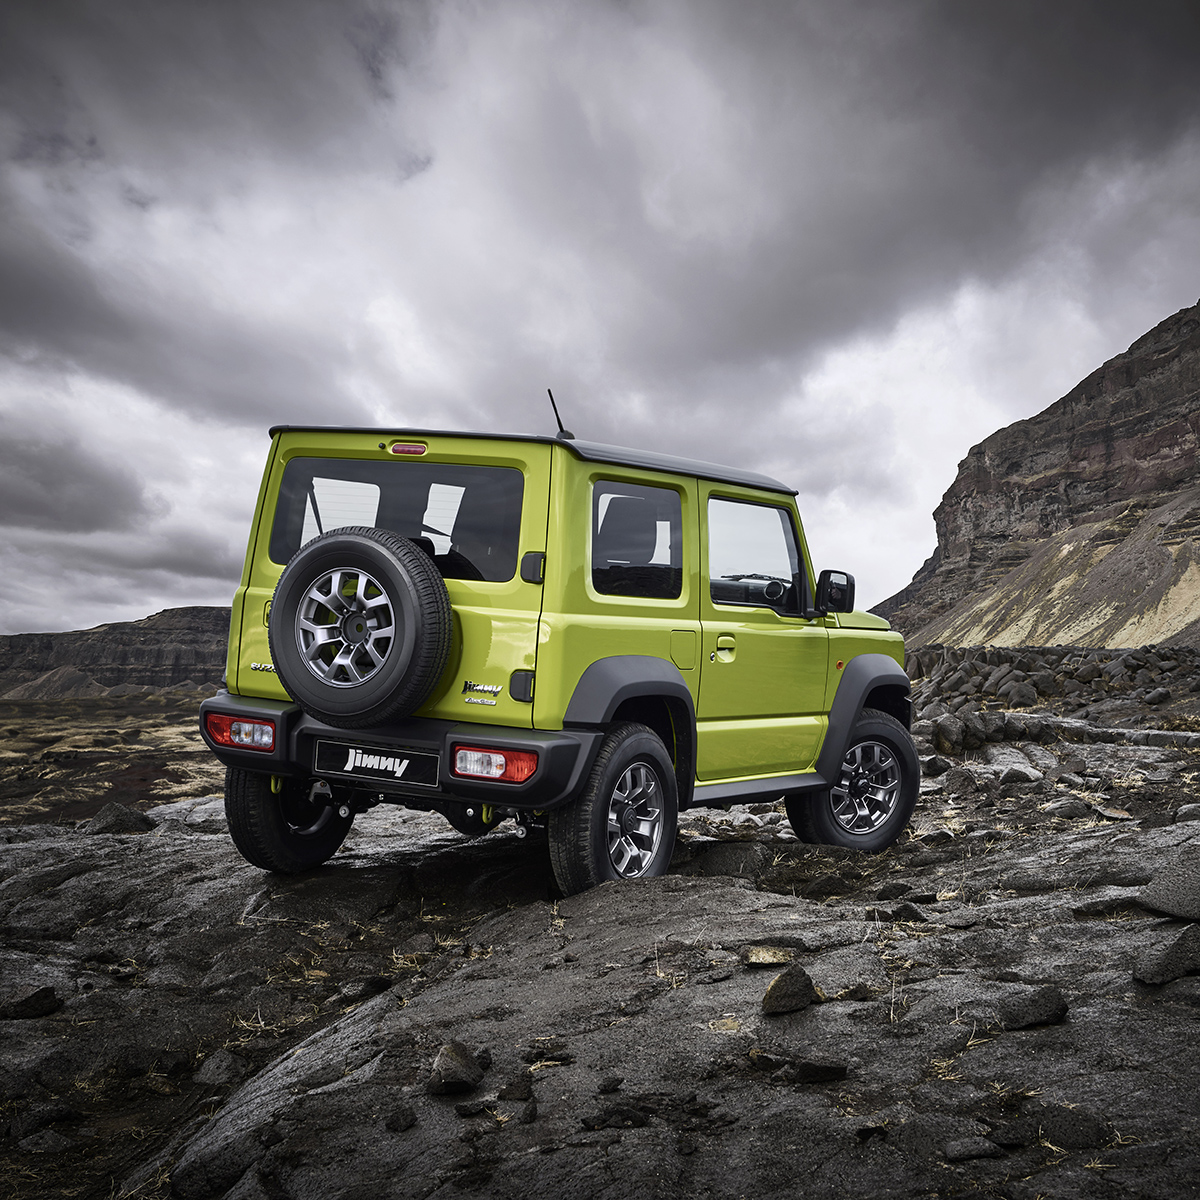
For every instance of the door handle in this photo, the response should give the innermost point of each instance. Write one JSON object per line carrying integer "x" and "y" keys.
{"x": 725, "y": 641}
{"x": 726, "y": 648}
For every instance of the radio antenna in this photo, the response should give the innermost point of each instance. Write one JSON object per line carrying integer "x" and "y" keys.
{"x": 562, "y": 433}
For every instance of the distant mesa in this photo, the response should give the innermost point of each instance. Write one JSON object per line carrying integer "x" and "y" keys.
{"x": 58, "y": 684}
{"x": 176, "y": 648}
{"x": 1081, "y": 525}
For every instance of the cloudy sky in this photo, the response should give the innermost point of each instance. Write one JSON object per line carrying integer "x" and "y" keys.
{"x": 839, "y": 241}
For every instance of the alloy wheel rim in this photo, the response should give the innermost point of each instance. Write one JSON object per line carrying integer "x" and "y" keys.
{"x": 345, "y": 627}
{"x": 635, "y": 821}
{"x": 868, "y": 788}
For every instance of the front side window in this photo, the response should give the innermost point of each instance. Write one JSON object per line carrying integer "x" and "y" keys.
{"x": 637, "y": 541}
{"x": 466, "y": 518}
{"x": 753, "y": 558}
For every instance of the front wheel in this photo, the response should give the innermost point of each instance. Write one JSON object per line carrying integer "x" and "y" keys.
{"x": 874, "y": 796}
{"x": 622, "y": 826}
{"x": 290, "y": 830}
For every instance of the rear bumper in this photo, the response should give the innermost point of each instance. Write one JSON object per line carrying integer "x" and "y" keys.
{"x": 564, "y": 758}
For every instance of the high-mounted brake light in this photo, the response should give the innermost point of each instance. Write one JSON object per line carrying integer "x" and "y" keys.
{"x": 503, "y": 766}
{"x": 408, "y": 448}
{"x": 240, "y": 733}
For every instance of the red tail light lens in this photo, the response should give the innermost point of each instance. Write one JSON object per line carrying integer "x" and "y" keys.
{"x": 503, "y": 766}
{"x": 240, "y": 733}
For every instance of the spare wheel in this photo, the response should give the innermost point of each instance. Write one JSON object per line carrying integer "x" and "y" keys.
{"x": 360, "y": 627}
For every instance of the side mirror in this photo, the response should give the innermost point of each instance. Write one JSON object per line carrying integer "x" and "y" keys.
{"x": 835, "y": 592}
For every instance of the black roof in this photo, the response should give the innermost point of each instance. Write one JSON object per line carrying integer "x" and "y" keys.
{"x": 588, "y": 451}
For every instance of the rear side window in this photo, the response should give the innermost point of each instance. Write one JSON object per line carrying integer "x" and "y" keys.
{"x": 637, "y": 541}
{"x": 466, "y": 518}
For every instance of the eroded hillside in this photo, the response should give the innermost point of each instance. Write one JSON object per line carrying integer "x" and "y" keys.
{"x": 1079, "y": 525}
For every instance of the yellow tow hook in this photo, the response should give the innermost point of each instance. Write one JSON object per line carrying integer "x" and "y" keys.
{"x": 277, "y": 784}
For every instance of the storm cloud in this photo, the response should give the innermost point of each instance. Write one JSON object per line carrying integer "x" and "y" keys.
{"x": 835, "y": 241}
{"x": 49, "y": 481}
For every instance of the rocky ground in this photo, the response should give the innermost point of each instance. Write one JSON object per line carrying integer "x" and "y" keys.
{"x": 64, "y": 760}
{"x": 1005, "y": 1004}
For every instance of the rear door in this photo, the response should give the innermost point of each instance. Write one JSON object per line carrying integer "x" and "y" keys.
{"x": 763, "y": 666}
{"x": 476, "y": 505}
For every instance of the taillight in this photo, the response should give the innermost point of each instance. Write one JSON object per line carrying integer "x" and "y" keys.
{"x": 240, "y": 733}
{"x": 503, "y": 766}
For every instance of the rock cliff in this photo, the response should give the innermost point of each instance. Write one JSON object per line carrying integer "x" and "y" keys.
{"x": 1079, "y": 525}
{"x": 170, "y": 648}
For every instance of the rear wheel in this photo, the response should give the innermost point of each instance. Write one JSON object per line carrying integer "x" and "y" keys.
{"x": 874, "y": 796}
{"x": 622, "y": 826}
{"x": 290, "y": 830}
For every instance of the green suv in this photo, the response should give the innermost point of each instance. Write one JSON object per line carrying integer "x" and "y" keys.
{"x": 550, "y": 631}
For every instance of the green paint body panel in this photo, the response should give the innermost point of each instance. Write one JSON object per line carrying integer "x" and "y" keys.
{"x": 580, "y": 625}
{"x": 762, "y": 683}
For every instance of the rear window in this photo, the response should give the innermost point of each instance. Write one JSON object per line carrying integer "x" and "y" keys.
{"x": 466, "y": 518}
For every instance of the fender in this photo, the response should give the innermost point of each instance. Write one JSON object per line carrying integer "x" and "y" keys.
{"x": 609, "y": 682}
{"x": 861, "y": 676}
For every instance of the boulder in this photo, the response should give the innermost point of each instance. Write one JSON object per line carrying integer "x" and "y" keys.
{"x": 119, "y": 818}
{"x": 789, "y": 991}
{"x": 1179, "y": 957}
{"x": 948, "y": 735}
{"x": 1032, "y": 1006}
{"x": 1176, "y": 888}
{"x": 455, "y": 1069}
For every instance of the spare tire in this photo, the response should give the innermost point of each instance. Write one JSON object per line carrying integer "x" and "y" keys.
{"x": 360, "y": 627}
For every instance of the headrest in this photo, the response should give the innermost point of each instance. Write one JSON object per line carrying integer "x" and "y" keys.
{"x": 628, "y": 532}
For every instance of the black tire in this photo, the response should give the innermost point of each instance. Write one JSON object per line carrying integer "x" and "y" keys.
{"x": 869, "y": 806}
{"x": 632, "y": 779}
{"x": 360, "y": 627}
{"x": 281, "y": 831}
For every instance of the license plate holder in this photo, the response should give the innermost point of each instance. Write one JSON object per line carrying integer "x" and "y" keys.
{"x": 383, "y": 765}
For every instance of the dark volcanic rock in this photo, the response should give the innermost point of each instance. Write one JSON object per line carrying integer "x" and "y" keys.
{"x": 1071, "y": 1128}
{"x": 207, "y": 1004}
{"x": 119, "y": 818}
{"x": 222, "y": 1068}
{"x": 974, "y": 1147}
{"x": 519, "y": 1087}
{"x": 1180, "y": 957}
{"x": 454, "y": 1070}
{"x": 1176, "y": 889}
{"x": 1034, "y": 1006}
{"x": 790, "y": 991}
{"x": 29, "y": 1005}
